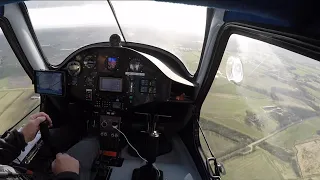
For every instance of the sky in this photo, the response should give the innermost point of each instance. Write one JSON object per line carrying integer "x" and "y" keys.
{"x": 159, "y": 15}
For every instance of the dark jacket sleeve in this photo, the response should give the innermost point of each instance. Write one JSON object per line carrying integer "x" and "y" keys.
{"x": 11, "y": 147}
{"x": 67, "y": 176}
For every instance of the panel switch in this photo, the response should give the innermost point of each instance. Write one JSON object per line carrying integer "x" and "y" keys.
{"x": 88, "y": 94}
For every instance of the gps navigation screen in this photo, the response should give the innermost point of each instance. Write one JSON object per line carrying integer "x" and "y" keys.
{"x": 49, "y": 82}
{"x": 110, "y": 84}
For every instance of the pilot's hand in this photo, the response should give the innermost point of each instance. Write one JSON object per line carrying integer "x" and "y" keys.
{"x": 30, "y": 130}
{"x": 65, "y": 163}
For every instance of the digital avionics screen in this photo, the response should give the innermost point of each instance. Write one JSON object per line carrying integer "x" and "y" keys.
{"x": 49, "y": 82}
{"x": 110, "y": 84}
{"x": 112, "y": 62}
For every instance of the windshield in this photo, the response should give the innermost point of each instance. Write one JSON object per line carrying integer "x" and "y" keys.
{"x": 176, "y": 28}
{"x": 63, "y": 27}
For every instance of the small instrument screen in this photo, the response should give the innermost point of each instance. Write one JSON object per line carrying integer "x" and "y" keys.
{"x": 112, "y": 63}
{"x": 49, "y": 82}
{"x": 110, "y": 84}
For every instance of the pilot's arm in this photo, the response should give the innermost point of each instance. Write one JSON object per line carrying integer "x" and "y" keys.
{"x": 65, "y": 167}
{"x": 12, "y": 145}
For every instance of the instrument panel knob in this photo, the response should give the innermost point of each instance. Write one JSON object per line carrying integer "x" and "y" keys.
{"x": 104, "y": 124}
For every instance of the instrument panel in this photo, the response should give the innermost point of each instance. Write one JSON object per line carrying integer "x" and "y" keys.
{"x": 112, "y": 84}
{"x": 115, "y": 78}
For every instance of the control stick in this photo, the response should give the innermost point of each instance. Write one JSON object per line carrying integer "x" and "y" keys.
{"x": 152, "y": 141}
{"x": 152, "y": 149}
{"x": 148, "y": 171}
{"x": 46, "y": 137}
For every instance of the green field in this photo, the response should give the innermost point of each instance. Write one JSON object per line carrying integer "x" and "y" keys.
{"x": 16, "y": 90}
{"x": 256, "y": 165}
{"x": 191, "y": 60}
{"x": 14, "y": 105}
{"x": 219, "y": 144}
{"x": 303, "y": 70}
{"x": 230, "y": 110}
{"x": 299, "y": 132}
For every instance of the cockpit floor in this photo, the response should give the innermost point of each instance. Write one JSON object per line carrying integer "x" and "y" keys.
{"x": 176, "y": 165}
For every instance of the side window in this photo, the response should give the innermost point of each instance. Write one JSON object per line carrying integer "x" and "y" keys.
{"x": 261, "y": 115}
{"x": 17, "y": 96}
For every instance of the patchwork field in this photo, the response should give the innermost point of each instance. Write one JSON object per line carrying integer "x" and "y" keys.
{"x": 256, "y": 165}
{"x": 261, "y": 124}
{"x": 299, "y": 132}
{"x": 308, "y": 156}
{"x": 219, "y": 144}
{"x": 14, "y": 105}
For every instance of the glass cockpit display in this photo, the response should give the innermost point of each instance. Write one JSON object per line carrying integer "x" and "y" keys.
{"x": 50, "y": 82}
{"x": 108, "y": 63}
{"x": 110, "y": 84}
{"x": 111, "y": 63}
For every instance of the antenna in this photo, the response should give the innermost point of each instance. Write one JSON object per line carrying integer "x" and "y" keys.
{"x": 115, "y": 16}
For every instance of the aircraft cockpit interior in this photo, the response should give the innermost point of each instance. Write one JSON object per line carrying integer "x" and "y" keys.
{"x": 159, "y": 90}
{"x": 108, "y": 90}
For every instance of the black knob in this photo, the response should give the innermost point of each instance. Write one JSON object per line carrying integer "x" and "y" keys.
{"x": 115, "y": 40}
{"x": 114, "y": 123}
{"x": 104, "y": 124}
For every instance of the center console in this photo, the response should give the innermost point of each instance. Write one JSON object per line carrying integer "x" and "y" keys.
{"x": 111, "y": 104}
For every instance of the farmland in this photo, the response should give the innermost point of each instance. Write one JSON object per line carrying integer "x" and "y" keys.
{"x": 14, "y": 105}
{"x": 257, "y": 127}
{"x": 308, "y": 157}
{"x": 257, "y": 165}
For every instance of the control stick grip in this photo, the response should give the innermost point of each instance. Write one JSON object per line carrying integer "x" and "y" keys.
{"x": 152, "y": 147}
{"x": 44, "y": 130}
{"x": 45, "y": 135}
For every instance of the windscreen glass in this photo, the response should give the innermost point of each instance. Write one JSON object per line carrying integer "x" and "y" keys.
{"x": 64, "y": 26}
